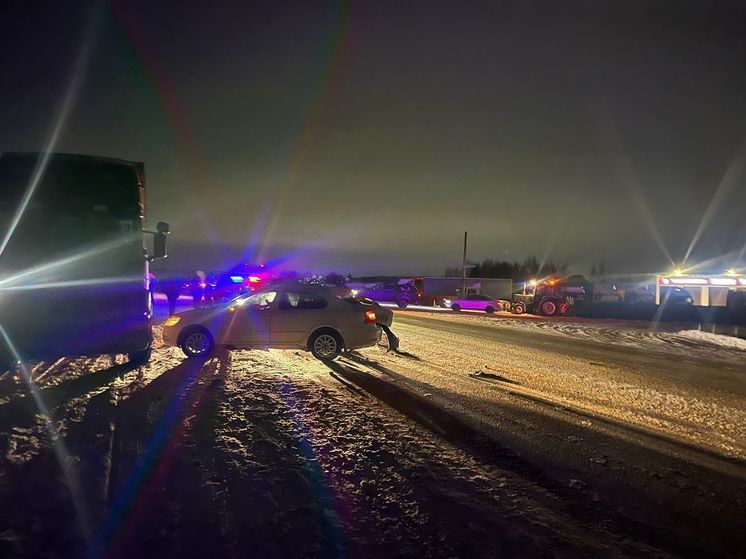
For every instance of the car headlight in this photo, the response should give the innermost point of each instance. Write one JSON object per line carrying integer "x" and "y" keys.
{"x": 446, "y": 301}
{"x": 172, "y": 321}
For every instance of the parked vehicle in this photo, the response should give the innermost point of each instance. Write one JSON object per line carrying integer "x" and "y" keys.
{"x": 674, "y": 295}
{"x": 296, "y": 316}
{"x": 637, "y": 295}
{"x": 550, "y": 297}
{"x": 606, "y": 293}
{"x": 74, "y": 267}
{"x": 226, "y": 285}
{"x": 474, "y": 302}
{"x": 402, "y": 293}
{"x": 435, "y": 290}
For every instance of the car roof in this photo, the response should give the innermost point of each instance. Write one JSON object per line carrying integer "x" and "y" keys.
{"x": 293, "y": 286}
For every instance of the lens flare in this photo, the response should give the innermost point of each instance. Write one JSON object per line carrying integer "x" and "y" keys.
{"x": 73, "y": 283}
{"x": 627, "y": 178}
{"x": 730, "y": 178}
{"x": 68, "y": 102}
{"x": 63, "y": 456}
{"x": 555, "y": 236}
{"x": 63, "y": 263}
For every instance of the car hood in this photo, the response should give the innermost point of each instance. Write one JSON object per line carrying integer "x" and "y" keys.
{"x": 201, "y": 314}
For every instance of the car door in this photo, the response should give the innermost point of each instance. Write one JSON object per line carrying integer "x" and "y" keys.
{"x": 296, "y": 315}
{"x": 248, "y": 321}
{"x": 481, "y": 302}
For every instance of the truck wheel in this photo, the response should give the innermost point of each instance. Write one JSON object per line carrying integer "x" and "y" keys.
{"x": 402, "y": 303}
{"x": 140, "y": 358}
{"x": 548, "y": 307}
{"x": 455, "y": 307}
{"x": 196, "y": 342}
{"x": 489, "y": 310}
{"x": 7, "y": 365}
{"x": 518, "y": 308}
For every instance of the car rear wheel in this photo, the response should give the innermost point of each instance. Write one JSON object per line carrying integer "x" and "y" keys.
{"x": 197, "y": 342}
{"x": 548, "y": 308}
{"x": 455, "y": 307}
{"x": 325, "y": 346}
{"x": 489, "y": 310}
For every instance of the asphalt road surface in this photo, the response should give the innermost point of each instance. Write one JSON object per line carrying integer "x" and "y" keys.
{"x": 480, "y": 438}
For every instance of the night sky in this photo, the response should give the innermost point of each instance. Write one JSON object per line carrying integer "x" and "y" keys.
{"x": 367, "y": 136}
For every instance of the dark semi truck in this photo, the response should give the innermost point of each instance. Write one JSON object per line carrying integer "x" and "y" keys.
{"x": 73, "y": 262}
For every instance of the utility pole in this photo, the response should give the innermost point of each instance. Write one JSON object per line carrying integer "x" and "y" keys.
{"x": 463, "y": 269}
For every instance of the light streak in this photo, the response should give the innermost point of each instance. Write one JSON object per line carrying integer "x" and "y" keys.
{"x": 68, "y": 101}
{"x": 730, "y": 178}
{"x": 64, "y": 262}
{"x": 58, "y": 445}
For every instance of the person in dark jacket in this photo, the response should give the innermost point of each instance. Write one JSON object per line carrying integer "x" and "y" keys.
{"x": 171, "y": 287}
{"x": 197, "y": 287}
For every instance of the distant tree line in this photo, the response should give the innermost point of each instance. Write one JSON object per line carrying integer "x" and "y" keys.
{"x": 494, "y": 268}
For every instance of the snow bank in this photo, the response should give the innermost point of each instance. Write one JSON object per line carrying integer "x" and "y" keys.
{"x": 713, "y": 339}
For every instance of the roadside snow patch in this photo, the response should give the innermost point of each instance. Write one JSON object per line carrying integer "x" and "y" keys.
{"x": 713, "y": 339}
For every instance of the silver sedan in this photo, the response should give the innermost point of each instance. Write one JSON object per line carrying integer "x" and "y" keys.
{"x": 286, "y": 317}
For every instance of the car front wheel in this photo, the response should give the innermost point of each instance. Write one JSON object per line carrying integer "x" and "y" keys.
{"x": 489, "y": 310}
{"x": 197, "y": 342}
{"x": 325, "y": 346}
{"x": 455, "y": 307}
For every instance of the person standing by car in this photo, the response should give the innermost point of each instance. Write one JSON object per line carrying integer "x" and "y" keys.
{"x": 197, "y": 287}
{"x": 171, "y": 288}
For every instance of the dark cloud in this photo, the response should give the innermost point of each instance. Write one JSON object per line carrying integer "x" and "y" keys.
{"x": 377, "y": 132}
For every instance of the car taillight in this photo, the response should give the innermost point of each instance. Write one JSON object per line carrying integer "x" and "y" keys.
{"x": 370, "y": 316}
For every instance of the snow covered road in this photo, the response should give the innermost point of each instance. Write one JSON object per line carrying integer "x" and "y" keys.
{"x": 472, "y": 442}
{"x": 672, "y": 382}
